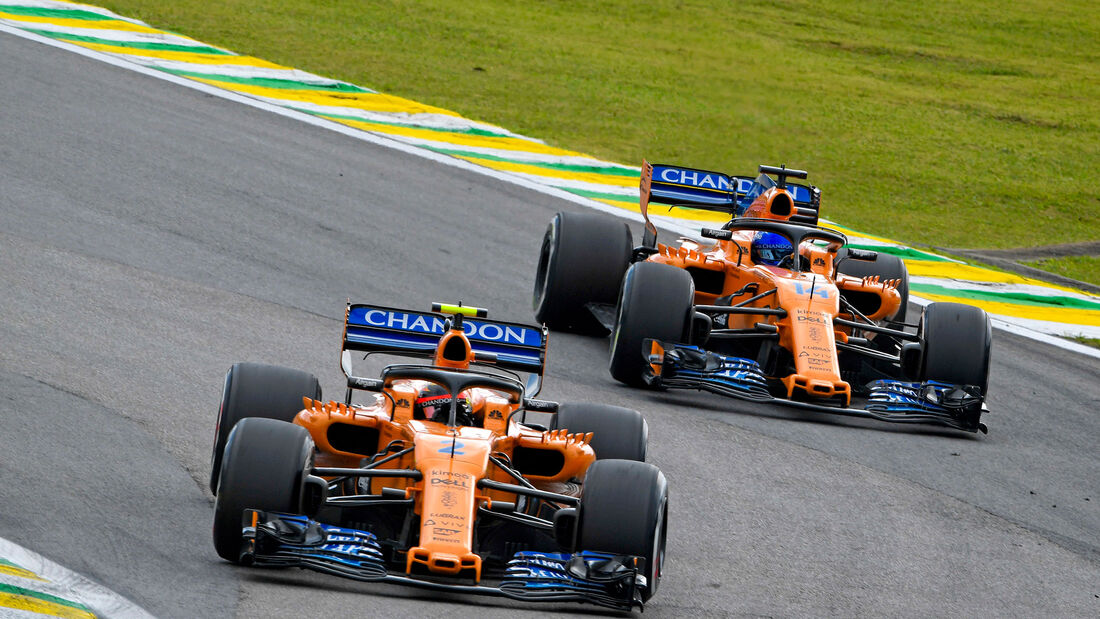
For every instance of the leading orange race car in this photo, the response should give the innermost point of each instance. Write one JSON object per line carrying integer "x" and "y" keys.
{"x": 438, "y": 479}
{"x": 776, "y": 309}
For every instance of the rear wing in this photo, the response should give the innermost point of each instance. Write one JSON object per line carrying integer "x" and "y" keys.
{"x": 507, "y": 345}
{"x": 714, "y": 191}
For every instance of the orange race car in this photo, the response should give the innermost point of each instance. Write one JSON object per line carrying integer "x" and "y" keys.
{"x": 777, "y": 308}
{"x": 438, "y": 479}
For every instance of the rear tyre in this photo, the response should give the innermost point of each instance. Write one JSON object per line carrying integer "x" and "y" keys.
{"x": 617, "y": 433}
{"x": 624, "y": 510}
{"x": 582, "y": 260}
{"x": 258, "y": 390}
{"x": 265, "y": 466}
{"x": 886, "y": 266}
{"x": 656, "y": 302}
{"x": 956, "y": 341}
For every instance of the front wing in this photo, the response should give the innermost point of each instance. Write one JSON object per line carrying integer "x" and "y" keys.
{"x": 690, "y": 367}
{"x": 288, "y": 540}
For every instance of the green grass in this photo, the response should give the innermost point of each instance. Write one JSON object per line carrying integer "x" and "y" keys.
{"x": 1087, "y": 341}
{"x": 956, "y": 124}
{"x": 1081, "y": 268}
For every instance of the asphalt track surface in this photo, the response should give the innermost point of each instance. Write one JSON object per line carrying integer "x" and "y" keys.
{"x": 151, "y": 235}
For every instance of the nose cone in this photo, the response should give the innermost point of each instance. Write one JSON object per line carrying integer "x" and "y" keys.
{"x": 452, "y": 464}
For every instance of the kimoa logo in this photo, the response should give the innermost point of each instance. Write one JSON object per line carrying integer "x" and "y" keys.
{"x": 473, "y": 329}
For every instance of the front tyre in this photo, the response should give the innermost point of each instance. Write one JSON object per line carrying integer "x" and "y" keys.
{"x": 618, "y": 433}
{"x": 582, "y": 260}
{"x": 265, "y": 467}
{"x": 258, "y": 390}
{"x": 624, "y": 510}
{"x": 956, "y": 340}
{"x": 656, "y": 302}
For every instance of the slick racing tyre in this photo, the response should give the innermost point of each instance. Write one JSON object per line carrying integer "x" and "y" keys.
{"x": 624, "y": 510}
{"x": 656, "y": 302}
{"x": 265, "y": 467}
{"x": 886, "y": 266}
{"x": 956, "y": 341}
{"x": 257, "y": 390}
{"x": 582, "y": 260}
{"x": 617, "y": 433}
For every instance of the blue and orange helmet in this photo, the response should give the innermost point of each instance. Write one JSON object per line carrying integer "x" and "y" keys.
{"x": 770, "y": 248}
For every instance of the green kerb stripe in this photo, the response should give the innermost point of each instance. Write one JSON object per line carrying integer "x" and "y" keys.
{"x": 4, "y": 561}
{"x": 1019, "y": 298}
{"x": 597, "y": 195}
{"x": 907, "y": 253}
{"x": 339, "y": 117}
{"x": 30, "y": 11}
{"x": 43, "y": 596}
{"x": 162, "y": 47}
{"x": 268, "y": 82}
{"x": 564, "y": 167}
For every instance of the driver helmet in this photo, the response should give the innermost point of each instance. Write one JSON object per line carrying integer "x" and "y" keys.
{"x": 434, "y": 404}
{"x": 770, "y": 248}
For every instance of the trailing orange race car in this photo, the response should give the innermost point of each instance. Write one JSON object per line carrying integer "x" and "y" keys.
{"x": 438, "y": 479}
{"x": 777, "y": 308}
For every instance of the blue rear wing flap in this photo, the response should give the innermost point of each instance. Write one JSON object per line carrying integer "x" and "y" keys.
{"x": 677, "y": 186}
{"x": 514, "y": 346}
{"x": 680, "y": 186}
{"x": 690, "y": 187}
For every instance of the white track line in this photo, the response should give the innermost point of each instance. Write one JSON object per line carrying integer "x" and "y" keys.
{"x": 69, "y": 585}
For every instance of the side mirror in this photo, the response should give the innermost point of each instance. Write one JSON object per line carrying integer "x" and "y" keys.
{"x": 345, "y": 363}
{"x": 720, "y": 235}
{"x": 862, "y": 254}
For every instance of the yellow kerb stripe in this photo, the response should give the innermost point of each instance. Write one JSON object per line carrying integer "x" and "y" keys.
{"x": 374, "y": 102}
{"x": 966, "y": 272}
{"x": 107, "y": 24}
{"x": 663, "y": 211}
{"x": 42, "y": 607}
{"x": 1032, "y": 312}
{"x": 588, "y": 177}
{"x": 850, "y": 232}
{"x": 461, "y": 139}
{"x": 15, "y": 570}
{"x": 191, "y": 57}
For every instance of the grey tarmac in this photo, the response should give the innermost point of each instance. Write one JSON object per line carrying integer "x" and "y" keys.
{"x": 152, "y": 235}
